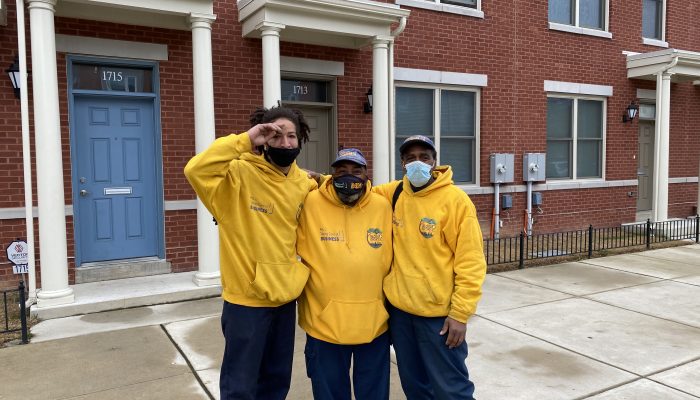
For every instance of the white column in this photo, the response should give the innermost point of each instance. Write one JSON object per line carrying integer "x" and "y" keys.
{"x": 49, "y": 158}
{"x": 380, "y": 111}
{"x": 272, "y": 81}
{"x": 662, "y": 147}
{"x": 204, "y": 135}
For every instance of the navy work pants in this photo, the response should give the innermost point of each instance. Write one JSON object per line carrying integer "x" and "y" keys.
{"x": 258, "y": 354}
{"x": 328, "y": 366}
{"x": 427, "y": 367}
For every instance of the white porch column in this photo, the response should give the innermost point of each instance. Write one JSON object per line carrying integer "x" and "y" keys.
{"x": 204, "y": 135}
{"x": 380, "y": 111}
{"x": 661, "y": 156}
{"x": 272, "y": 81}
{"x": 49, "y": 158}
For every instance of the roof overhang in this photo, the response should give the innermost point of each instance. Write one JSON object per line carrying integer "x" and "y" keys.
{"x": 167, "y": 14}
{"x": 336, "y": 23}
{"x": 683, "y": 65}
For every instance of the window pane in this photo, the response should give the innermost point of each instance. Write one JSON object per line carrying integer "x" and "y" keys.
{"x": 457, "y": 113}
{"x": 590, "y": 119}
{"x": 414, "y": 112}
{"x": 559, "y": 159}
{"x": 651, "y": 19}
{"x": 559, "y": 115}
{"x": 458, "y": 153}
{"x": 561, "y": 11}
{"x": 591, "y": 13}
{"x": 588, "y": 163}
{"x": 465, "y": 3}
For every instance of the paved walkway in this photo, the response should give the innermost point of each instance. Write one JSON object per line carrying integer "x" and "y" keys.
{"x": 620, "y": 327}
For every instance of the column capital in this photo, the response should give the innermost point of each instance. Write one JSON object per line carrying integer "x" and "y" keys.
{"x": 269, "y": 28}
{"x": 667, "y": 75}
{"x": 198, "y": 20}
{"x": 49, "y": 5}
{"x": 380, "y": 41}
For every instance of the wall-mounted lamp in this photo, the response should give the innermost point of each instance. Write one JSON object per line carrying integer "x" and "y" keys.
{"x": 630, "y": 112}
{"x": 369, "y": 102}
{"x": 13, "y": 72}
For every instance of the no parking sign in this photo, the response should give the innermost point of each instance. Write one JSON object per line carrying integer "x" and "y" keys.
{"x": 18, "y": 255}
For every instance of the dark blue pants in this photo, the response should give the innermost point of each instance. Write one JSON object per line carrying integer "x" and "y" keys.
{"x": 328, "y": 366}
{"x": 259, "y": 349}
{"x": 427, "y": 367}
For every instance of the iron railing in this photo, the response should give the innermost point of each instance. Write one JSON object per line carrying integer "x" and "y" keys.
{"x": 14, "y": 306}
{"x": 522, "y": 248}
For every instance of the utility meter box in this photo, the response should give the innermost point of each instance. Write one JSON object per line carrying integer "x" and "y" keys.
{"x": 533, "y": 167}
{"x": 502, "y": 168}
{"x": 507, "y": 202}
{"x": 536, "y": 199}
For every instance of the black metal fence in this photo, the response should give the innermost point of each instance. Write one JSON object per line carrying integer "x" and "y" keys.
{"x": 14, "y": 306}
{"x": 520, "y": 249}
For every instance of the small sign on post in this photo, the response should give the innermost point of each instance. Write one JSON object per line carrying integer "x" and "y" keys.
{"x": 18, "y": 255}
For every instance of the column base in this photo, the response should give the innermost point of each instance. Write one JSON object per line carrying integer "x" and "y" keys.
{"x": 54, "y": 298}
{"x": 207, "y": 278}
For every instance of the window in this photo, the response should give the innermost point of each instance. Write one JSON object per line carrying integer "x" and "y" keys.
{"x": 470, "y": 8}
{"x": 575, "y": 132}
{"x": 581, "y": 13}
{"x": 652, "y": 19}
{"x": 449, "y": 117}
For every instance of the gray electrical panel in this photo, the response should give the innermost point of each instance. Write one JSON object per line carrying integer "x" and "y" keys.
{"x": 533, "y": 167}
{"x": 502, "y": 168}
{"x": 536, "y": 199}
{"x": 507, "y": 202}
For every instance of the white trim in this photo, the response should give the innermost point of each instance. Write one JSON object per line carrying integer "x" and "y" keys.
{"x": 542, "y": 187}
{"x": 689, "y": 179}
{"x": 578, "y": 88}
{"x": 555, "y": 26}
{"x": 654, "y": 42}
{"x": 448, "y": 8}
{"x": 440, "y": 77}
{"x": 646, "y": 94}
{"x": 171, "y": 205}
{"x": 312, "y": 66}
{"x": 111, "y": 48}
{"x": 629, "y": 53}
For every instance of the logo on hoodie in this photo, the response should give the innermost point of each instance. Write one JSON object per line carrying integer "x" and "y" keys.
{"x": 427, "y": 227}
{"x": 374, "y": 238}
{"x": 259, "y": 206}
{"x": 330, "y": 236}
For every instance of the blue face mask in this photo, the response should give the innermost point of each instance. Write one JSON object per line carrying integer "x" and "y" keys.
{"x": 418, "y": 173}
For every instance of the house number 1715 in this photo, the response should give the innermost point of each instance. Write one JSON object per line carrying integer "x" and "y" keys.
{"x": 113, "y": 76}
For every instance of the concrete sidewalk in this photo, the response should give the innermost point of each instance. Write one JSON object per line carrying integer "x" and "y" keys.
{"x": 620, "y": 327}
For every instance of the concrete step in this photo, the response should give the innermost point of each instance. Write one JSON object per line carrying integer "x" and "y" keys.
{"x": 121, "y": 269}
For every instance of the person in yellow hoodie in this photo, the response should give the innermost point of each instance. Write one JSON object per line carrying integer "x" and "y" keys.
{"x": 436, "y": 275}
{"x": 253, "y": 187}
{"x": 344, "y": 237}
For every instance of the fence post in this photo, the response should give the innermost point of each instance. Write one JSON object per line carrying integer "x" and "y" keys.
{"x": 697, "y": 228}
{"x": 23, "y": 312}
{"x": 521, "y": 263}
{"x": 590, "y": 241}
{"x": 648, "y": 233}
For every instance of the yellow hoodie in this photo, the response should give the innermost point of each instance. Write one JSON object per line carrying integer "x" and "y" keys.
{"x": 439, "y": 264}
{"x": 257, "y": 209}
{"x": 348, "y": 250}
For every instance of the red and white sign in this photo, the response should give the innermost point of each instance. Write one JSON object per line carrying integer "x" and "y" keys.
{"x": 18, "y": 254}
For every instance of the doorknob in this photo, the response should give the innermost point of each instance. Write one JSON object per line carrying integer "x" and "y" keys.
{"x": 83, "y": 193}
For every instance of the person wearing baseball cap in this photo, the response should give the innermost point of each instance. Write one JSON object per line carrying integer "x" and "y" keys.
{"x": 344, "y": 238}
{"x": 436, "y": 274}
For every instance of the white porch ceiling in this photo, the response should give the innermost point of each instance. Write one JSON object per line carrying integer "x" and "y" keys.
{"x": 684, "y": 65}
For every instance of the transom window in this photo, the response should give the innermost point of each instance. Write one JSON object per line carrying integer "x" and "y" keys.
{"x": 448, "y": 117}
{"x": 575, "y": 132}
{"x": 652, "y": 19}
{"x": 580, "y": 13}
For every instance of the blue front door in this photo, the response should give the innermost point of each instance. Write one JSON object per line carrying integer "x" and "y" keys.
{"x": 115, "y": 179}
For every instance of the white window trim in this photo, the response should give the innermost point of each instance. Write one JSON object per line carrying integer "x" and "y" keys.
{"x": 576, "y": 28}
{"x": 654, "y": 42}
{"x": 440, "y": 77}
{"x": 657, "y": 42}
{"x": 436, "y": 125}
{"x": 574, "y": 148}
{"x": 448, "y": 8}
{"x": 111, "y": 48}
{"x": 578, "y": 88}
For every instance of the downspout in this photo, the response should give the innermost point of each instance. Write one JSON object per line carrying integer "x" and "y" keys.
{"x": 26, "y": 151}
{"x": 392, "y": 95}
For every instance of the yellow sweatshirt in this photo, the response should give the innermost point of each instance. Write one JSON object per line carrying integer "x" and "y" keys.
{"x": 257, "y": 209}
{"x": 348, "y": 250}
{"x": 439, "y": 264}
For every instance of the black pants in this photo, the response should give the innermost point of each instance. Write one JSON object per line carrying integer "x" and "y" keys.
{"x": 257, "y": 360}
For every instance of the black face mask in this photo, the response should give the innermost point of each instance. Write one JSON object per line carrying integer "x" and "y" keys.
{"x": 282, "y": 157}
{"x": 349, "y": 185}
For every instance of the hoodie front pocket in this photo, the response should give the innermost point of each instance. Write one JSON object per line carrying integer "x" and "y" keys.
{"x": 354, "y": 322}
{"x": 417, "y": 289}
{"x": 278, "y": 282}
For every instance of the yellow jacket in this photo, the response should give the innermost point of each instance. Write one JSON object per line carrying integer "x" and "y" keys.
{"x": 256, "y": 207}
{"x": 348, "y": 250}
{"x": 439, "y": 264}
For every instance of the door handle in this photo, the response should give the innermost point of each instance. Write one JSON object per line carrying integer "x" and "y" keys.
{"x": 83, "y": 193}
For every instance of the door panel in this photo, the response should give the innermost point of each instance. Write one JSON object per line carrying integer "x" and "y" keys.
{"x": 645, "y": 169}
{"x": 115, "y": 178}
{"x": 316, "y": 153}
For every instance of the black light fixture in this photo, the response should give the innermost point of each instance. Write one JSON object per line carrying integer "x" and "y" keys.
{"x": 13, "y": 72}
{"x": 630, "y": 112}
{"x": 368, "y": 103}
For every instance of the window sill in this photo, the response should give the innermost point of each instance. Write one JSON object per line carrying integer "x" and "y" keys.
{"x": 654, "y": 42}
{"x": 448, "y": 8}
{"x": 581, "y": 31}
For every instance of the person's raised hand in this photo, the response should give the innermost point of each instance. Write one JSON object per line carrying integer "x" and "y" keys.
{"x": 262, "y": 133}
{"x": 313, "y": 175}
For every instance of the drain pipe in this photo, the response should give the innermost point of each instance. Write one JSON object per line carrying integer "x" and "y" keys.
{"x": 392, "y": 96}
{"x": 497, "y": 211}
{"x": 529, "y": 208}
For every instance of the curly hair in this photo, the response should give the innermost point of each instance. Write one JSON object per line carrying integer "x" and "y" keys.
{"x": 265, "y": 115}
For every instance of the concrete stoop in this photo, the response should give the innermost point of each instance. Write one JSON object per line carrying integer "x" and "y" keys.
{"x": 121, "y": 269}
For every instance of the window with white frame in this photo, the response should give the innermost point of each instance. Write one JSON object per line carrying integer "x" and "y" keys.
{"x": 470, "y": 8}
{"x": 652, "y": 19}
{"x": 446, "y": 115}
{"x": 581, "y": 13}
{"x": 575, "y": 133}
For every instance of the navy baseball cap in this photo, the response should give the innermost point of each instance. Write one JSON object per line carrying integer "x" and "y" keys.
{"x": 417, "y": 139}
{"x": 353, "y": 155}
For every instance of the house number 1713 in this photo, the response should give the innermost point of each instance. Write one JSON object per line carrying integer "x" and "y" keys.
{"x": 301, "y": 89}
{"x": 112, "y": 76}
